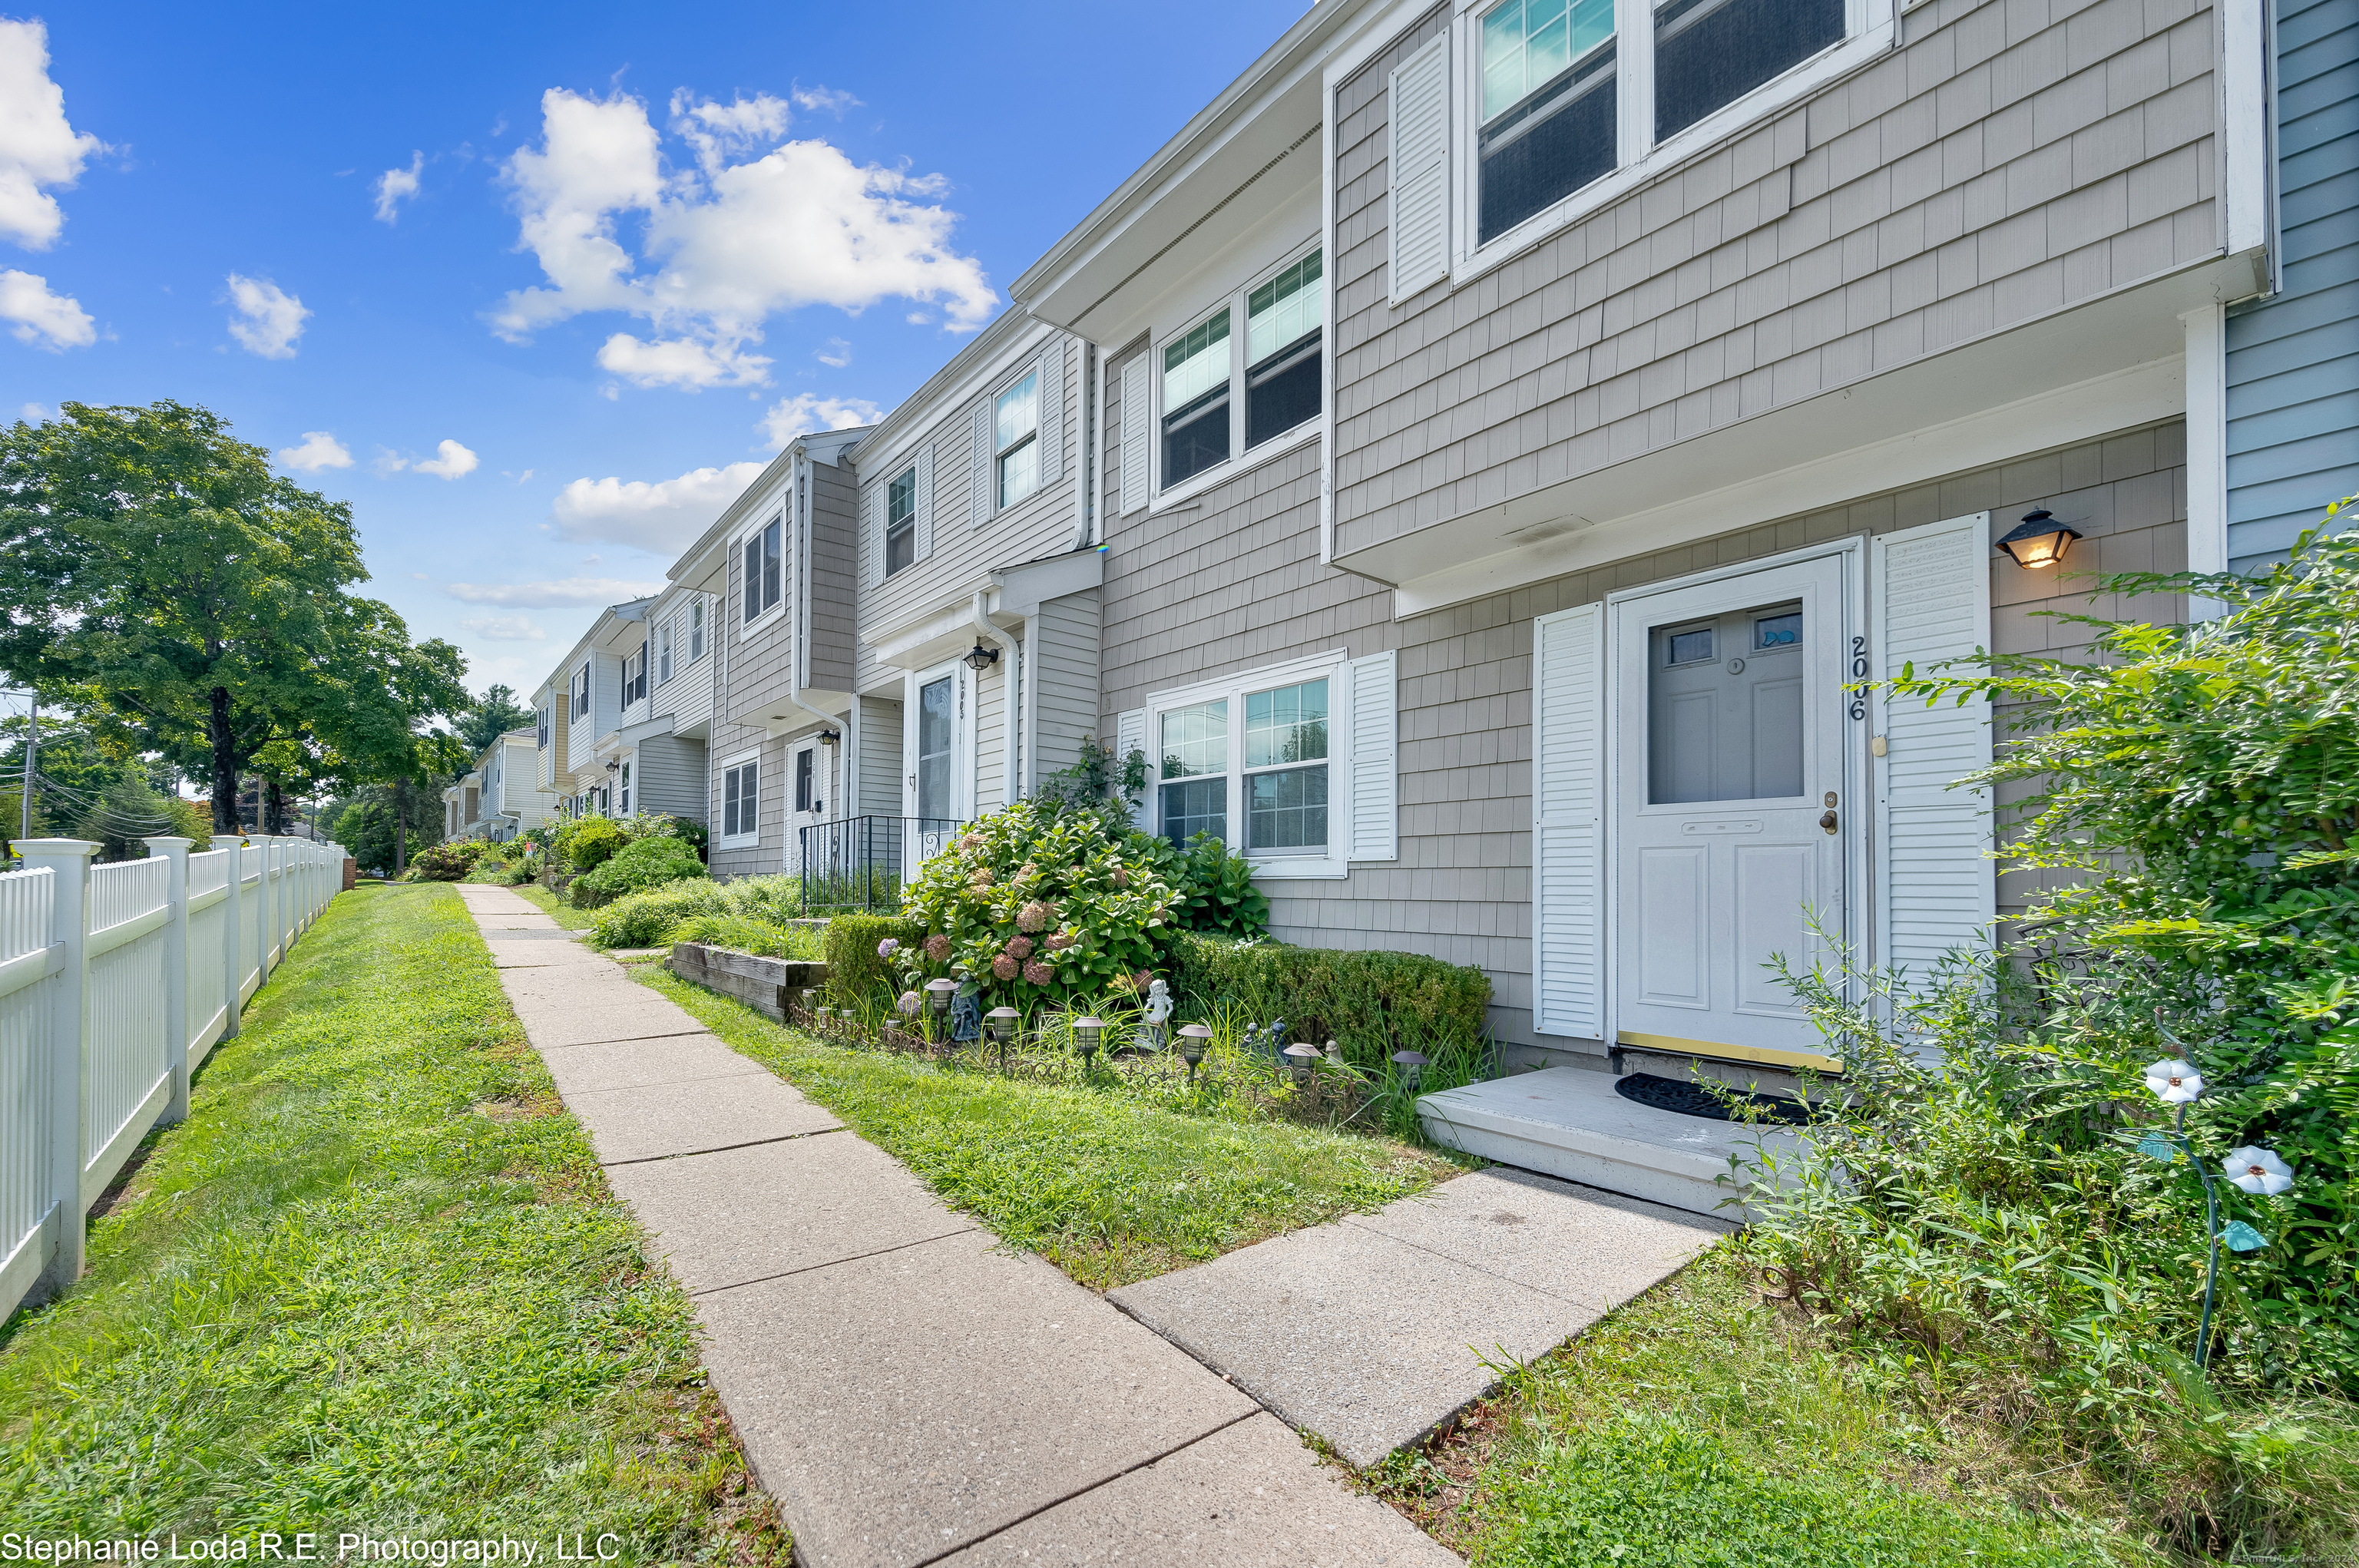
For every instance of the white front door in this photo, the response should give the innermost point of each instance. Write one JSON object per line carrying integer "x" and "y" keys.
{"x": 1730, "y": 812}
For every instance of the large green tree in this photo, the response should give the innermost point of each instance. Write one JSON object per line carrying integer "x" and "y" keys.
{"x": 156, "y": 573}
{"x": 492, "y": 715}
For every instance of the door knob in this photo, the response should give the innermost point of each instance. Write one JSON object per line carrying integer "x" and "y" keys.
{"x": 1829, "y": 822}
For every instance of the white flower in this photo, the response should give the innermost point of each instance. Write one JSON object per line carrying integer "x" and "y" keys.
{"x": 888, "y": 947}
{"x": 2258, "y": 1170}
{"x": 2174, "y": 1082}
{"x": 910, "y": 1003}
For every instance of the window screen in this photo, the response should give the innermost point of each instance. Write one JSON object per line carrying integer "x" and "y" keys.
{"x": 1548, "y": 105}
{"x": 1196, "y": 401}
{"x": 901, "y": 521}
{"x": 1283, "y": 322}
{"x": 762, "y": 571}
{"x": 1286, "y": 804}
{"x": 1711, "y": 52}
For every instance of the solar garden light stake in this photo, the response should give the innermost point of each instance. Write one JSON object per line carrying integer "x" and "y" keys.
{"x": 1194, "y": 1039}
{"x": 1299, "y": 1059}
{"x": 2175, "y": 1081}
{"x": 1001, "y": 1021}
{"x": 1412, "y": 1069}
{"x": 1086, "y": 1030}
{"x": 938, "y": 1002}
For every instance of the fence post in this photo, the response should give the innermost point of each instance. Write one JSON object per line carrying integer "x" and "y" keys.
{"x": 69, "y": 1014}
{"x": 264, "y": 932}
{"x": 233, "y": 935}
{"x": 176, "y": 977}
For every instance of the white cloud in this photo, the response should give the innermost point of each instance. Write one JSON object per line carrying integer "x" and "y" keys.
{"x": 452, "y": 460}
{"x": 825, "y": 100}
{"x": 682, "y": 362}
{"x": 661, "y": 516}
{"x": 560, "y": 594}
{"x": 722, "y": 245}
{"x": 503, "y": 628}
{"x": 805, "y": 412}
{"x": 43, "y": 319}
{"x": 272, "y": 318}
{"x": 38, "y": 146}
{"x": 397, "y": 185}
{"x": 319, "y": 450}
{"x": 34, "y": 414}
{"x": 835, "y": 352}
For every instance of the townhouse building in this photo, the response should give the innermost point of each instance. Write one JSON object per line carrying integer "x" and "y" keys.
{"x": 500, "y": 798}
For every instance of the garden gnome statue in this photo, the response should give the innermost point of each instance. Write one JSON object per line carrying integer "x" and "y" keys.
{"x": 966, "y": 1013}
{"x": 1157, "y": 1014}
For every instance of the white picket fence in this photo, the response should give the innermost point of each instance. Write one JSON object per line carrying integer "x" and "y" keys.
{"x": 114, "y": 982}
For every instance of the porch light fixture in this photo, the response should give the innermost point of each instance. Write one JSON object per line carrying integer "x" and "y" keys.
{"x": 2039, "y": 541}
{"x": 981, "y": 658}
{"x": 1412, "y": 1068}
{"x": 830, "y": 737}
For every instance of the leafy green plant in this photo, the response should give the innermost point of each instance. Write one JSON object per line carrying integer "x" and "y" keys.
{"x": 640, "y": 864}
{"x": 1371, "y": 1003}
{"x": 750, "y": 933}
{"x": 588, "y": 843}
{"x": 446, "y": 862}
{"x": 1213, "y": 890}
{"x": 856, "y": 971}
{"x": 648, "y": 919}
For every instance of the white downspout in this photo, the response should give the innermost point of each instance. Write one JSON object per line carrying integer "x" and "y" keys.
{"x": 1010, "y": 710}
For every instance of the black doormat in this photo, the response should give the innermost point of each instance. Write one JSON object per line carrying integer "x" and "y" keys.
{"x": 1681, "y": 1097}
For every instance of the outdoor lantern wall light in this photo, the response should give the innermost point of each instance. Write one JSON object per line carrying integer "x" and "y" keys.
{"x": 2175, "y": 1081}
{"x": 2039, "y": 541}
{"x": 981, "y": 658}
{"x": 1194, "y": 1040}
{"x": 1086, "y": 1030}
{"x": 1412, "y": 1069}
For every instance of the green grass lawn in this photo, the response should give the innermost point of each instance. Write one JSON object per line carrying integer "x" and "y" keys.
{"x": 376, "y": 1281}
{"x": 1105, "y": 1188}
{"x": 1698, "y": 1428}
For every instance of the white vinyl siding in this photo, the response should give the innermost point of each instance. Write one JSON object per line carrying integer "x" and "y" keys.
{"x": 1936, "y": 885}
{"x": 1568, "y": 822}
{"x": 1419, "y": 170}
{"x": 1372, "y": 729}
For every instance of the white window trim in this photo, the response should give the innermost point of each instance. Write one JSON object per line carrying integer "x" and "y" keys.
{"x": 962, "y": 740}
{"x": 666, "y": 666}
{"x": 786, "y": 570}
{"x": 887, "y": 572}
{"x": 699, "y": 628}
{"x": 1328, "y": 666}
{"x": 994, "y": 390}
{"x": 720, "y": 773}
{"x": 1871, "y": 31}
{"x": 1240, "y": 459}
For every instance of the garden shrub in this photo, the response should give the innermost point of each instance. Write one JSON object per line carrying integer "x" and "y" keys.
{"x": 1371, "y": 1003}
{"x": 750, "y": 933}
{"x": 855, "y": 972}
{"x": 648, "y": 919}
{"x": 639, "y": 866}
{"x": 588, "y": 843}
{"x": 446, "y": 862}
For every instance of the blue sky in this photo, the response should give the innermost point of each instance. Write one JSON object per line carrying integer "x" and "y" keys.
{"x": 609, "y": 256}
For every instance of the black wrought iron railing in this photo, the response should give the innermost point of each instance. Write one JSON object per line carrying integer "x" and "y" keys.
{"x": 860, "y": 864}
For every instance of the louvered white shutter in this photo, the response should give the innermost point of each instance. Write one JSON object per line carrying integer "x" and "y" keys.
{"x": 1129, "y": 736}
{"x": 872, "y": 534}
{"x": 1419, "y": 159}
{"x": 1372, "y": 695}
{"x": 1134, "y": 425}
{"x": 981, "y": 512}
{"x": 1052, "y": 414}
{"x": 1936, "y": 885}
{"x": 925, "y": 501}
{"x": 1568, "y": 822}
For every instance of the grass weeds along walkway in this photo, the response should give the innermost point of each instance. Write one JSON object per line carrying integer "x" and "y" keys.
{"x": 1696, "y": 1428}
{"x": 376, "y": 1281}
{"x": 550, "y": 904}
{"x": 1107, "y": 1189}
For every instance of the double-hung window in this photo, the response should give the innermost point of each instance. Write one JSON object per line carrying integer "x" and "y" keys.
{"x": 1257, "y": 753}
{"x": 740, "y": 800}
{"x": 663, "y": 652}
{"x": 1223, "y": 392}
{"x": 635, "y": 676}
{"x": 1015, "y": 439}
{"x": 544, "y": 729}
{"x": 901, "y": 520}
{"x": 582, "y": 693}
{"x": 627, "y": 788}
{"x": 1564, "y": 99}
{"x": 695, "y": 630}
{"x": 762, "y": 571}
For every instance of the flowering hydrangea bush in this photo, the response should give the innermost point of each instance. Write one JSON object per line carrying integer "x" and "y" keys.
{"x": 1039, "y": 904}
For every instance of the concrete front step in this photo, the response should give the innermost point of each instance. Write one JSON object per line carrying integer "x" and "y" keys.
{"x": 1568, "y": 1122}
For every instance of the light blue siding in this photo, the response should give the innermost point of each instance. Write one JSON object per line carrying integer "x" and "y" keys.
{"x": 2293, "y": 360}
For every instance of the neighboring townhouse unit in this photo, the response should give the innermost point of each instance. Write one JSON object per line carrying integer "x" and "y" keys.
{"x": 501, "y": 796}
{"x": 1522, "y": 423}
{"x": 778, "y": 570}
{"x": 976, "y": 658}
{"x": 585, "y": 695}
{"x": 649, "y": 752}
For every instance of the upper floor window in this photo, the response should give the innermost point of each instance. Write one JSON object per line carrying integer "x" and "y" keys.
{"x": 635, "y": 676}
{"x": 1196, "y": 400}
{"x": 663, "y": 652}
{"x": 582, "y": 693}
{"x": 543, "y": 741}
{"x": 1283, "y": 319}
{"x": 1016, "y": 439}
{"x": 901, "y": 520}
{"x": 762, "y": 571}
{"x": 695, "y": 630}
{"x": 1277, "y": 360}
{"x": 1551, "y": 78}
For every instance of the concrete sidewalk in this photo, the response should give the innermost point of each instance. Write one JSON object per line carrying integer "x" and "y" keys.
{"x": 910, "y": 1393}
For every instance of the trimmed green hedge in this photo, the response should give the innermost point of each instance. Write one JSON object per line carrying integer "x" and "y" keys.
{"x": 854, "y": 971}
{"x": 1373, "y": 1003}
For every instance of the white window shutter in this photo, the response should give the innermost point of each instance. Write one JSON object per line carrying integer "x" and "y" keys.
{"x": 1419, "y": 167}
{"x": 1136, "y": 423}
{"x": 1373, "y": 693}
{"x": 981, "y": 514}
{"x": 1052, "y": 414}
{"x": 872, "y": 534}
{"x": 1129, "y": 736}
{"x": 925, "y": 501}
{"x": 1568, "y": 822}
{"x": 1936, "y": 885}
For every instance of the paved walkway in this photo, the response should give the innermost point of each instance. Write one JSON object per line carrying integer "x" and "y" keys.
{"x": 909, "y": 1393}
